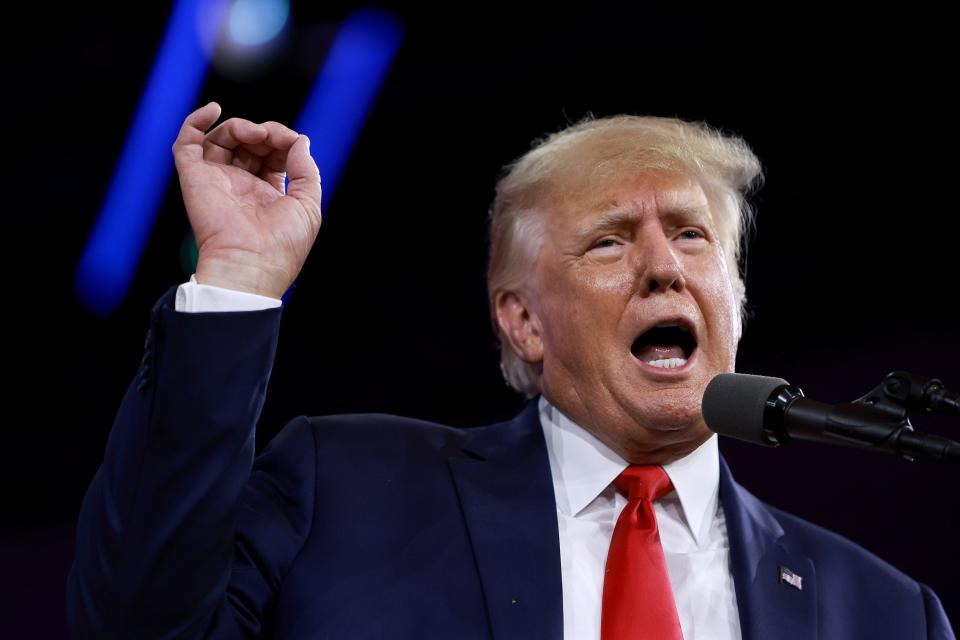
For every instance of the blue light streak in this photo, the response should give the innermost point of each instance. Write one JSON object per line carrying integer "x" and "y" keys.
{"x": 346, "y": 88}
{"x": 332, "y": 117}
{"x": 109, "y": 261}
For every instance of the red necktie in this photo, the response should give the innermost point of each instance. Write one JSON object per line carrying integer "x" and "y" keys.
{"x": 637, "y": 597}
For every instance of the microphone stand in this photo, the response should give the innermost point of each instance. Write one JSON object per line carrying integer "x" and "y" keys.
{"x": 923, "y": 394}
{"x": 878, "y": 420}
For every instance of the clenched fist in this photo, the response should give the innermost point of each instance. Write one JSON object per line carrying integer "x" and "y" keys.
{"x": 252, "y": 236}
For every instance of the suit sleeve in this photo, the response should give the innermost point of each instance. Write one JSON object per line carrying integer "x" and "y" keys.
{"x": 938, "y": 626}
{"x": 180, "y": 534}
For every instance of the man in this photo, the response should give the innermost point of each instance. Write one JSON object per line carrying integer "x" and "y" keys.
{"x": 603, "y": 510}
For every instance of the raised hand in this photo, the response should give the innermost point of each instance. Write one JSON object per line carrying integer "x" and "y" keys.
{"x": 251, "y": 235}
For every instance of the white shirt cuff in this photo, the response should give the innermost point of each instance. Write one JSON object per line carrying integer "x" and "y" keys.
{"x": 193, "y": 297}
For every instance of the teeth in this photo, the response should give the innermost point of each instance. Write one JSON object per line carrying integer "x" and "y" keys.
{"x": 668, "y": 363}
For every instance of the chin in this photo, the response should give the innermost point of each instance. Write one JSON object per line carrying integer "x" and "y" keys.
{"x": 669, "y": 410}
{"x": 662, "y": 447}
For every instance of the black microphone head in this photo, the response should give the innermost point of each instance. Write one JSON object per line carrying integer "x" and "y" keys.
{"x": 734, "y": 405}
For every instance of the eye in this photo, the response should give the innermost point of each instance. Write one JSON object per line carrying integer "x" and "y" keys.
{"x": 606, "y": 246}
{"x": 604, "y": 243}
{"x": 691, "y": 234}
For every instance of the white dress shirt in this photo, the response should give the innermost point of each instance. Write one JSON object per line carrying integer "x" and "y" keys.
{"x": 691, "y": 521}
{"x": 193, "y": 297}
{"x": 692, "y": 527}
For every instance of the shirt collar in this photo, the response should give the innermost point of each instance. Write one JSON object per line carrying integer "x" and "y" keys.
{"x": 583, "y": 467}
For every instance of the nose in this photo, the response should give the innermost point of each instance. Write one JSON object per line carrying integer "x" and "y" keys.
{"x": 660, "y": 269}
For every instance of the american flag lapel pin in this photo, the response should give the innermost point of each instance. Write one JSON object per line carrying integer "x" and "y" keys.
{"x": 791, "y": 578}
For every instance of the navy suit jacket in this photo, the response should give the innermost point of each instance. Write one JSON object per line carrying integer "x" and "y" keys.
{"x": 374, "y": 526}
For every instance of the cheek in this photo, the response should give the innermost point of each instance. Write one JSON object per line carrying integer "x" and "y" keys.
{"x": 586, "y": 291}
{"x": 577, "y": 308}
{"x": 721, "y": 314}
{"x": 604, "y": 282}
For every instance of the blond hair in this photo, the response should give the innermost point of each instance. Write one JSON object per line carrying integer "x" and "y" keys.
{"x": 593, "y": 154}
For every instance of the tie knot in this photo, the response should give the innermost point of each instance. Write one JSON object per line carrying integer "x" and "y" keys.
{"x": 644, "y": 482}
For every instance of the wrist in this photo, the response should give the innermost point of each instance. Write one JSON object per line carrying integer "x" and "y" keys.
{"x": 244, "y": 276}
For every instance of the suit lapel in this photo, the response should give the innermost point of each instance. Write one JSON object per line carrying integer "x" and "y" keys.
{"x": 772, "y": 601}
{"x": 506, "y": 493}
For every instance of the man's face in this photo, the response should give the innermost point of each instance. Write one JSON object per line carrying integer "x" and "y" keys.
{"x": 635, "y": 313}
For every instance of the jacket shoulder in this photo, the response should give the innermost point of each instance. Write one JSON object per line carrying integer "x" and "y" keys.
{"x": 399, "y": 428}
{"x": 383, "y": 438}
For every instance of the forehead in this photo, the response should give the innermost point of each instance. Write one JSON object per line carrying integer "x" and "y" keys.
{"x": 636, "y": 196}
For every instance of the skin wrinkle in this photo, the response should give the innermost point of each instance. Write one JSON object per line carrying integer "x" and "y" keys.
{"x": 590, "y": 160}
{"x": 585, "y": 305}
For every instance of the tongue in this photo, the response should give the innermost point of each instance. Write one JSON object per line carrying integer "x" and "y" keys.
{"x": 651, "y": 352}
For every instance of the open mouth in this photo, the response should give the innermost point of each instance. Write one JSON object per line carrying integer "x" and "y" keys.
{"x": 665, "y": 346}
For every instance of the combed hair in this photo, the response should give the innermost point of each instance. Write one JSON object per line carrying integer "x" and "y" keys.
{"x": 594, "y": 154}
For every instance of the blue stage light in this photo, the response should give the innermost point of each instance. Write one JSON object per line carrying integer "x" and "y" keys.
{"x": 346, "y": 87}
{"x": 344, "y": 91}
{"x": 254, "y": 22}
{"x": 333, "y": 116}
{"x": 126, "y": 218}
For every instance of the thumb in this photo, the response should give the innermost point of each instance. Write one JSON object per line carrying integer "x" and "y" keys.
{"x": 304, "y": 177}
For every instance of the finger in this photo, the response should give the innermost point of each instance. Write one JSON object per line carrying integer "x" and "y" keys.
{"x": 304, "y": 177}
{"x": 213, "y": 153}
{"x": 247, "y": 161}
{"x": 236, "y": 131}
{"x": 279, "y": 139}
{"x": 274, "y": 169}
{"x": 277, "y": 161}
{"x": 188, "y": 145}
{"x": 276, "y": 179}
{"x": 268, "y": 159}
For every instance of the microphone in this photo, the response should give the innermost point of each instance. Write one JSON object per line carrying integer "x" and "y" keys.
{"x": 771, "y": 412}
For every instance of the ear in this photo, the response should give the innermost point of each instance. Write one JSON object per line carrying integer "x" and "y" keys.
{"x": 519, "y": 325}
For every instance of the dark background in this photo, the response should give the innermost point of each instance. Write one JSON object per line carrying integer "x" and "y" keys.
{"x": 852, "y": 269}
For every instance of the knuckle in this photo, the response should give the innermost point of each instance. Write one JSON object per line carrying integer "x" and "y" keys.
{"x": 277, "y": 127}
{"x": 235, "y": 124}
